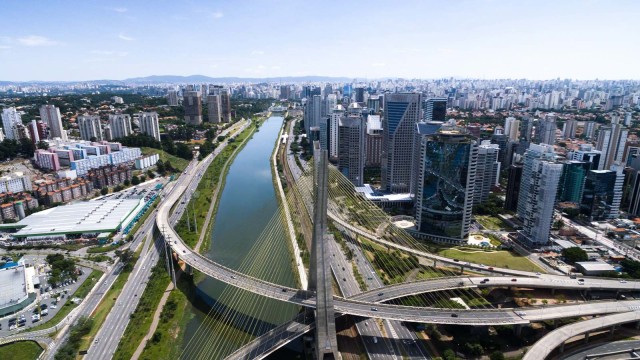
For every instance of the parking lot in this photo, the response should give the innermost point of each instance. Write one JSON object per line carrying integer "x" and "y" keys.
{"x": 50, "y": 302}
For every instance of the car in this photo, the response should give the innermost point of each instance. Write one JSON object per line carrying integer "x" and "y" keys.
{"x": 538, "y": 273}
{"x": 490, "y": 268}
{"x": 580, "y": 282}
{"x": 344, "y": 279}
{"x": 343, "y": 268}
{"x": 623, "y": 281}
{"x": 53, "y": 307}
{"x": 95, "y": 341}
{"x": 486, "y": 280}
{"x": 380, "y": 294}
{"x": 135, "y": 295}
{"x": 143, "y": 267}
{"x": 454, "y": 315}
{"x": 233, "y": 277}
{"x": 514, "y": 279}
{"x": 461, "y": 283}
{"x": 374, "y": 309}
{"x": 184, "y": 251}
{"x": 456, "y": 260}
{"x": 284, "y": 290}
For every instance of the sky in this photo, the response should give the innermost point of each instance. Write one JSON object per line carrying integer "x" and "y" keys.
{"x": 86, "y": 40}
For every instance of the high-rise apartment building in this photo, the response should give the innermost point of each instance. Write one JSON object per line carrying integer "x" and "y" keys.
{"x": 512, "y": 128}
{"x": 487, "y": 171}
{"x": 10, "y": 118}
{"x": 590, "y": 129}
{"x": 401, "y": 113}
{"x": 120, "y": 125}
{"x": 603, "y": 194}
{"x": 150, "y": 124}
{"x": 569, "y": 129}
{"x": 611, "y": 141}
{"x": 50, "y": 115}
{"x": 90, "y": 127}
{"x": 332, "y": 130}
{"x": 285, "y": 92}
{"x": 214, "y": 109}
{"x": 351, "y": 148}
{"x": 192, "y": 104}
{"x": 172, "y": 98}
{"x": 546, "y": 130}
{"x": 313, "y": 112}
{"x": 445, "y": 186}
{"x": 538, "y": 190}
{"x": 435, "y": 109}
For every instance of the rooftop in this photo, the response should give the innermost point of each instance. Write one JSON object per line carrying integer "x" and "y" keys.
{"x": 12, "y": 286}
{"x": 375, "y": 195}
{"x": 78, "y": 218}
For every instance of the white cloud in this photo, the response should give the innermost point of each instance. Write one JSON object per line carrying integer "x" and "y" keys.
{"x": 120, "y": 9}
{"x": 257, "y": 52}
{"x": 276, "y": 67}
{"x": 4, "y": 47}
{"x": 125, "y": 38}
{"x": 378, "y": 64}
{"x": 217, "y": 15}
{"x": 35, "y": 40}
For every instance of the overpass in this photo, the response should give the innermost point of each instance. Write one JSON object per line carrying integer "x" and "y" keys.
{"x": 364, "y": 308}
{"x": 545, "y": 346}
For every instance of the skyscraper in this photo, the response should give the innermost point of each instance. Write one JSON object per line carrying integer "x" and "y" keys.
{"x": 10, "y": 118}
{"x": 214, "y": 109}
{"x": 401, "y": 113}
{"x": 513, "y": 187}
{"x": 312, "y": 112}
{"x": 351, "y": 148}
{"x": 373, "y": 140}
{"x": 572, "y": 180}
{"x": 120, "y": 125}
{"x": 435, "y": 109}
{"x": 50, "y": 115}
{"x": 225, "y": 105}
{"x": 150, "y": 125}
{"x": 332, "y": 130}
{"x": 192, "y": 104}
{"x": 359, "y": 95}
{"x": 603, "y": 194}
{"x": 537, "y": 196}
{"x": 487, "y": 171}
{"x": 445, "y": 186}
{"x": 590, "y": 129}
{"x": 90, "y": 127}
{"x": 611, "y": 141}
{"x": 546, "y": 129}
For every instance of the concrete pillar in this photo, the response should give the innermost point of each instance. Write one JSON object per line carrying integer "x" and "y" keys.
{"x": 613, "y": 329}
{"x": 553, "y": 291}
{"x": 638, "y": 325}
{"x": 518, "y": 330}
{"x": 586, "y": 337}
{"x": 461, "y": 269}
{"x": 562, "y": 348}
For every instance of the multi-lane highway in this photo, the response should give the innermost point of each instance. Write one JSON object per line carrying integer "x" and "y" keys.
{"x": 107, "y": 339}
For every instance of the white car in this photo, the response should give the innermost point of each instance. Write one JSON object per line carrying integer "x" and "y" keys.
{"x": 623, "y": 281}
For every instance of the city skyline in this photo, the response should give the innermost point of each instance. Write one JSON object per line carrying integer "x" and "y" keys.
{"x": 466, "y": 39}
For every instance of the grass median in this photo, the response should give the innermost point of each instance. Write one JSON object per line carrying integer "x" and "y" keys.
{"x": 142, "y": 317}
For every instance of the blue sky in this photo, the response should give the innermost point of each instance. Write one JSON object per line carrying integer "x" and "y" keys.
{"x": 82, "y": 40}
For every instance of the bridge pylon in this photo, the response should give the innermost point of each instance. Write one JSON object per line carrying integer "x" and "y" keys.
{"x": 320, "y": 278}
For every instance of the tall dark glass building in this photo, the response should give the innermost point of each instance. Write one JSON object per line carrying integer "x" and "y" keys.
{"x": 445, "y": 186}
{"x": 435, "y": 109}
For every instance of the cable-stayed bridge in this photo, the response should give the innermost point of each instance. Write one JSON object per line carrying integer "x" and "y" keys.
{"x": 333, "y": 197}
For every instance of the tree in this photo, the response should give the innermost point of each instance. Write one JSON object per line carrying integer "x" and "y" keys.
{"x": 574, "y": 254}
{"x": 126, "y": 256}
{"x": 135, "y": 181}
{"x": 43, "y": 145}
{"x": 27, "y": 148}
{"x": 183, "y": 151}
{"x": 150, "y": 174}
{"x": 104, "y": 191}
{"x": 160, "y": 167}
{"x": 127, "y": 182}
{"x": 449, "y": 355}
{"x": 496, "y": 355}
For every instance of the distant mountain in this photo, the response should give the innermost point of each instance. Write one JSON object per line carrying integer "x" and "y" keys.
{"x": 176, "y": 79}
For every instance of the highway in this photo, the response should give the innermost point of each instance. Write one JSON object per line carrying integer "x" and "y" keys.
{"x": 108, "y": 337}
{"x": 546, "y": 345}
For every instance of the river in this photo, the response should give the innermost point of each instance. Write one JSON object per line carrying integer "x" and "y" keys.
{"x": 247, "y": 204}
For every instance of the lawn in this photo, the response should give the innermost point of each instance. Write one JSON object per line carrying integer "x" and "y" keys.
{"x": 501, "y": 258}
{"x": 177, "y": 163}
{"x": 82, "y": 292}
{"x": 22, "y": 350}
{"x": 492, "y": 223}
